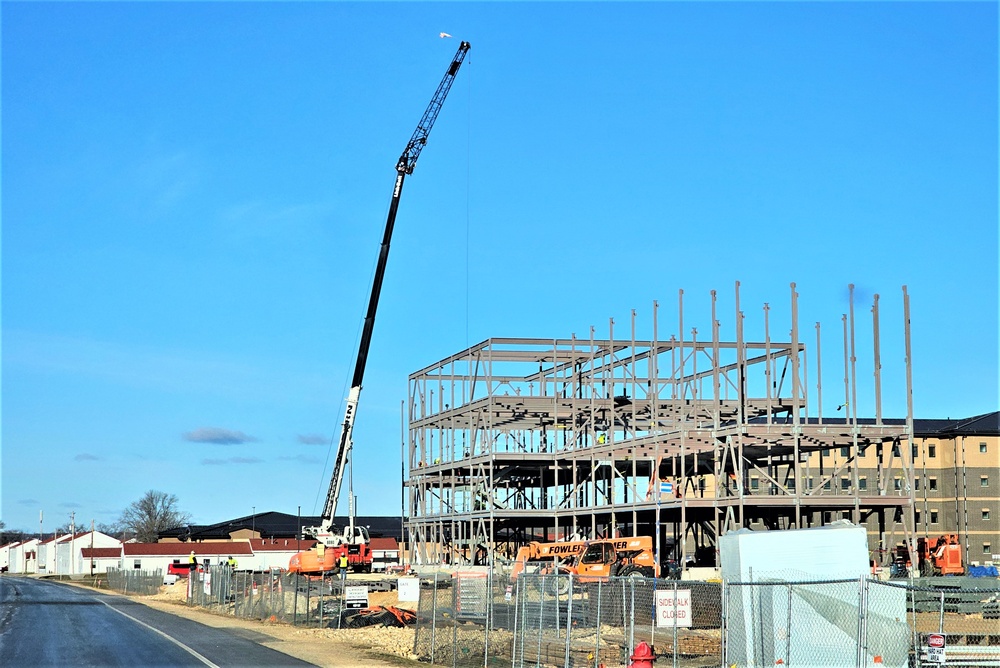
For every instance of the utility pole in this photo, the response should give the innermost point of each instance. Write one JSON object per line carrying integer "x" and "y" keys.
{"x": 72, "y": 536}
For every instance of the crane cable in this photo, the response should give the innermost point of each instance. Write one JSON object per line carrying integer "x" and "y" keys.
{"x": 468, "y": 180}
{"x": 322, "y": 485}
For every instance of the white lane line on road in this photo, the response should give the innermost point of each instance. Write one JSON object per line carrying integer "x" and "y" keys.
{"x": 173, "y": 640}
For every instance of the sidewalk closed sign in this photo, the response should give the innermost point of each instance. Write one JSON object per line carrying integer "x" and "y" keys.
{"x": 935, "y": 647}
{"x": 673, "y": 608}
{"x": 356, "y": 598}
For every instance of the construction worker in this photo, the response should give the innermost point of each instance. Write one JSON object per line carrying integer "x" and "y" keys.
{"x": 231, "y": 562}
{"x": 342, "y": 563}
{"x": 192, "y": 561}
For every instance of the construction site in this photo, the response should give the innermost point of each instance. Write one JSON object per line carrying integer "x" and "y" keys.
{"x": 682, "y": 438}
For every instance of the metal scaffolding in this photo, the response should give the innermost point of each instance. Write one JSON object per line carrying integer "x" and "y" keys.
{"x": 683, "y": 439}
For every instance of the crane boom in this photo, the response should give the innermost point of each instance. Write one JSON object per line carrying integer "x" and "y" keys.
{"x": 404, "y": 166}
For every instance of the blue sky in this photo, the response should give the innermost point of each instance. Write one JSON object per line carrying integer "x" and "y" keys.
{"x": 193, "y": 196}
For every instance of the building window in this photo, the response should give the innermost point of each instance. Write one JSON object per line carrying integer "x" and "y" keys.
{"x": 845, "y": 451}
{"x": 862, "y": 483}
{"x": 986, "y": 513}
{"x": 136, "y": 563}
{"x": 984, "y": 481}
{"x": 754, "y": 483}
{"x": 846, "y": 515}
{"x": 895, "y": 449}
{"x": 932, "y": 484}
{"x": 845, "y": 483}
{"x": 982, "y": 448}
{"x": 987, "y": 548}
{"x": 934, "y": 517}
{"x": 932, "y": 451}
{"x": 810, "y": 485}
{"x": 791, "y": 484}
{"x": 826, "y": 453}
{"x": 916, "y": 516}
{"x": 914, "y": 451}
{"x": 826, "y": 485}
{"x": 897, "y": 484}
{"x": 916, "y": 483}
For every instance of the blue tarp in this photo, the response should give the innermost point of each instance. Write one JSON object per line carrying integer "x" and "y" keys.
{"x": 983, "y": 571}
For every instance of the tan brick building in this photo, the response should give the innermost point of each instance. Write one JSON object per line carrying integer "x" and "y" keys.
{"x": 956, "y": 482}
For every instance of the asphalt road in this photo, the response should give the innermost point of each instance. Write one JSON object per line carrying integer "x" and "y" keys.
{"x": 50, "y": 624}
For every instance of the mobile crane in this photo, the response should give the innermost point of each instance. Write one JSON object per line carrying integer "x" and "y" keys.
{"x": 355, "y": 540}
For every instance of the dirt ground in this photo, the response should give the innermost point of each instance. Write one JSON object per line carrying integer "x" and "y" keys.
{"x": 330, "y": 648}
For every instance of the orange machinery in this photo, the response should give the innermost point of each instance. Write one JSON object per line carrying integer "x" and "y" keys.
{"x": 937, "y": 556}
{"x": 321, "y": 559}
{"x": 592, "y": 558}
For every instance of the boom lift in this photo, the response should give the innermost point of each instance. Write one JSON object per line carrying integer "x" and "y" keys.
{"x": 354, "y": 540}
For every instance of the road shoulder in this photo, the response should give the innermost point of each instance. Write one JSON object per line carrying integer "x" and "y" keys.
{"x": 327, "y": 648}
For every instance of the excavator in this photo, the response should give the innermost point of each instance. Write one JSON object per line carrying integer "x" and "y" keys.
{"x": 354, "y": 540}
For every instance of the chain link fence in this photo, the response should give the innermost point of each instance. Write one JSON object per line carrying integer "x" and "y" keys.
{"x": 562, "y": 620}
{"x": 465, "y": 620}
{"x": 965, "y": 614}
{"x": 865, "y": 622}
{"x": 274, "y": 595}
{"x": 132, "y": 581}
{"x": 537, "y": 619}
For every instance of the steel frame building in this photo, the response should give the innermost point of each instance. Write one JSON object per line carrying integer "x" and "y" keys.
{"x": 684, "y": 439}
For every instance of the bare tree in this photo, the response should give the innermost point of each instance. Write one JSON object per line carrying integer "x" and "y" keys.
{"x": 11, "y": 535}
{"x": 153, "y": 513}
{"x": 109, "y": 529}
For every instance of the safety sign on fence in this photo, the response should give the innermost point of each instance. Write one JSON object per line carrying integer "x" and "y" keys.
{"x": 408, "y": 590}
{"x": 356, "y": 598}
{"x": 935, "y": 647}
{"x": 673, "y": 608}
